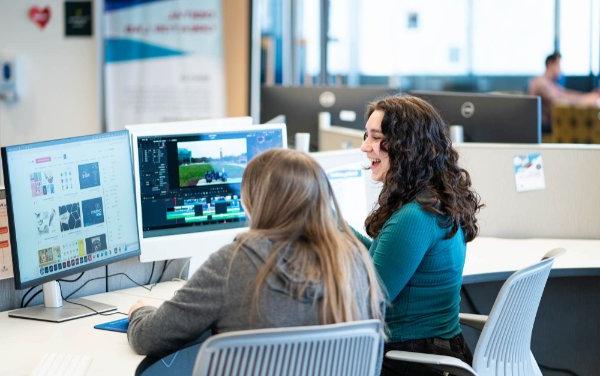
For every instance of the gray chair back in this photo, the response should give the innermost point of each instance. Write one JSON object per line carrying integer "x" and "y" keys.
{"x": 346, "y": 349}
{"x": 504, "y": 347}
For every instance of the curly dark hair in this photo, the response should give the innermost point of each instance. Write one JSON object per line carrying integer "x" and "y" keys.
{"x": 423, "y": 167}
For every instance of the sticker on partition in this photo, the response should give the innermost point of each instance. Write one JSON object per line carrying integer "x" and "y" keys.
{"x": 529, "y": 172}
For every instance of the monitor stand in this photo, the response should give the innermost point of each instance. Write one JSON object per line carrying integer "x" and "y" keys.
{"x": 55, "y": 309}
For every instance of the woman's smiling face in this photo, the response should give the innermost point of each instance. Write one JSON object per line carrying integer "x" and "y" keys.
{"x": 371, "y": 146}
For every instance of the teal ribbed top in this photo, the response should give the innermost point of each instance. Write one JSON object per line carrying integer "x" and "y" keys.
{"x": 422, "y": 273}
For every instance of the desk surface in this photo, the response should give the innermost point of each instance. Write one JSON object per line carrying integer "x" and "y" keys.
{"x": 494, "y": 259}
{"x": 24, "y": 342}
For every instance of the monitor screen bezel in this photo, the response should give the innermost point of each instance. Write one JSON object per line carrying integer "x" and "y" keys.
{"x": 504, "y": 99}
{"x": 301, "y": 106}
{"x": 19, "y": 283}
{"x": 177, "y": 130}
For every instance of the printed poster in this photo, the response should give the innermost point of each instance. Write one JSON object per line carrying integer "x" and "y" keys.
{"x": 529, "y": 172}
{"x": 163, "y": 61}
{"x": 6, "y": 270}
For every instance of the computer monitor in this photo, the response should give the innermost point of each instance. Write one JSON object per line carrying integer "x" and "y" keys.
{"x": 354, "y": 190}
{"x": 499, "y": 118}
{"x": 188, "y": 185}
{"x": 71, "y": 208}
{"x": 193, "y": 125}
{"x": 301, "y": 106}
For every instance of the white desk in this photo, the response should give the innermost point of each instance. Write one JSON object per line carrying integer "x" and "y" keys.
{"x": 492, "y": 259}
{"x": 24, "y": 342}
{"x": 566, "y": 326}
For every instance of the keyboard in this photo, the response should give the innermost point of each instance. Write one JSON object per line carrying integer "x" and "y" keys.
{"x": 63, "y": 365}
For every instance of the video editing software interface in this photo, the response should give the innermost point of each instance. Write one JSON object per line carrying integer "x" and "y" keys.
{"x": 72, "y": 203}
{"x": 191, "y": 183}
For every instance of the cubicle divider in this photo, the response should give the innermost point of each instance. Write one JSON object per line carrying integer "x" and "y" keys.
{"x": 558, "y": 194}
{"x": 335, "y": 138}
{"x": 564, "y": 202}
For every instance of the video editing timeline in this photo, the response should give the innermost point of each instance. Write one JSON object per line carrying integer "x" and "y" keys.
{"x": 192, "y": 183}
{"x": 69, "y": 202}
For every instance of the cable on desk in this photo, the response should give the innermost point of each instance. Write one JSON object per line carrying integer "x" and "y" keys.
{"x": 111, "y": 275}
{"x": 151, "y": 273}
{"x": 32, "y": 297}
{"x": 90, "y": 308}
{"x": 106, "y": 276}
{"x": 83, "y": 285}
{"x": 23, "y": 305}
{"x": 186, "y": 263}
{"x": 27, "y": 293}
{"x": 162, "y": 273}
{"x": 97, "y": 312}
{"x": 72, "y": 280}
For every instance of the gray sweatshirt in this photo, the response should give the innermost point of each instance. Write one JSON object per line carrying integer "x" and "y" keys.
{"x": 218, "y": 297}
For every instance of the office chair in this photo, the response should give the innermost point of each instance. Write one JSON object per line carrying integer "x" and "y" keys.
{"x": 346, "y": 349}
{"x": 504, "y": 347}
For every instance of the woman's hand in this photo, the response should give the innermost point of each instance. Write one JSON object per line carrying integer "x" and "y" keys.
{"x": 139, "y": 304}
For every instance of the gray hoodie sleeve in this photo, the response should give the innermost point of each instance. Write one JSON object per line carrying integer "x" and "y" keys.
{"x": 183, "y": 318}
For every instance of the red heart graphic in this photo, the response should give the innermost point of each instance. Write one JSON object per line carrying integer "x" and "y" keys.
{"x": 40, "y": 16}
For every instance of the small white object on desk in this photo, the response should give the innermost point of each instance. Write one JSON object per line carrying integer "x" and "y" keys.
{"x": 302, "y": 141}
{"x": 63, "y": 365}
{"x": 457, "y": 134}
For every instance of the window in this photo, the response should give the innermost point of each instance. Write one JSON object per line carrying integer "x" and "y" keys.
{"x": 423, "y": 38}
{"x": 579, "y": 36}
{"x": 308, "y": 38}
{"x": 512, "y": 37}
{"x": 398, "y": 38}
{"x": 375, "y": 40}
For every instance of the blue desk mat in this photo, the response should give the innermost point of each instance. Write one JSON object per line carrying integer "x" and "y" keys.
{"x": 119, "y": 325}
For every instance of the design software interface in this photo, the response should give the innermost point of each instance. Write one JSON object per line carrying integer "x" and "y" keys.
{"x": 191, "y": 183}
{"x": 72, "y": 203}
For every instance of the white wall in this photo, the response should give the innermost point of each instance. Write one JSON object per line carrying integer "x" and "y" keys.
{"x": 59, "y": 96}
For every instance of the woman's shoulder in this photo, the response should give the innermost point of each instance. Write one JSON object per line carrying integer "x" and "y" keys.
{"x": 216, "y": 262}
{"x": 228, "y": 255}
{"x": 236, "y": 261}
{"x": 413, "y": 211}
{"x": 414, "y": 215}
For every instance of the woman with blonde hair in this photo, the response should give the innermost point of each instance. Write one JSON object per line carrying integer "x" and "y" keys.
{"x": 298, "y": 264}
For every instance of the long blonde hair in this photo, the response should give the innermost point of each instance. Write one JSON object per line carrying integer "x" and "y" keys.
{"x": 289, "y": 201}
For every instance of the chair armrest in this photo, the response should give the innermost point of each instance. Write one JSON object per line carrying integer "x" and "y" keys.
{"x": 440, "y": 362}
{"x": 473, "y": 320}
{"x": 554, "y": 253}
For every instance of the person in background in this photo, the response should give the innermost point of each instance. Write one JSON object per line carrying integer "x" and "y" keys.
{"x": 424, "y": 216}
{"x": 298, "y": 264}
{"x": 547, "y": 86}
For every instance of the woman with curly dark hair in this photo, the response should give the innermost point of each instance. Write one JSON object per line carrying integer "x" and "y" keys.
{"x": 424, "y": 218}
